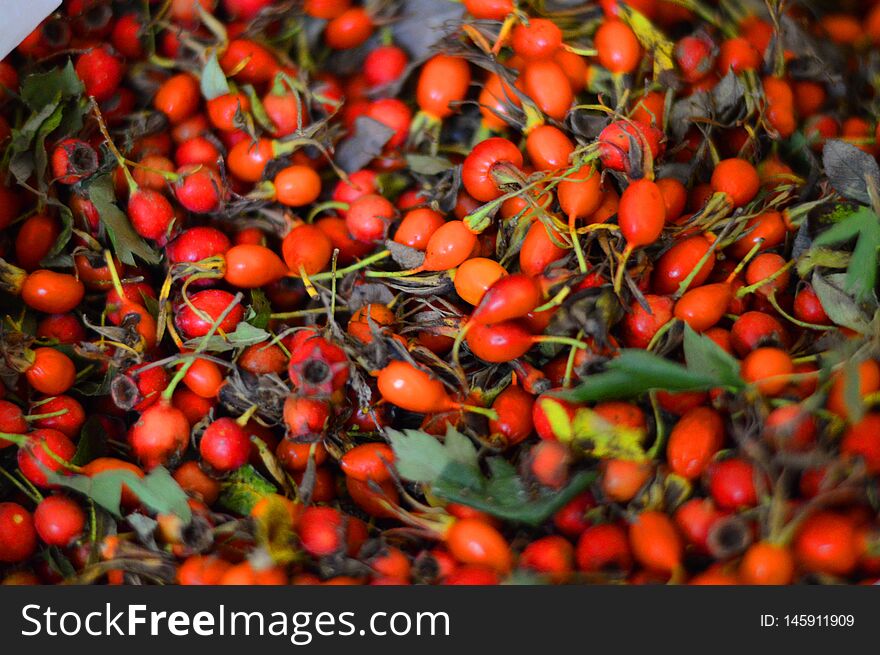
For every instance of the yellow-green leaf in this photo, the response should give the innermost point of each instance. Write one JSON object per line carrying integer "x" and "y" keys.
{"x": 652, "y": 39}
{"x": 598, "y": 438}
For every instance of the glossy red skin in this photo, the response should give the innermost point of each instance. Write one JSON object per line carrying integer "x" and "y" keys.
{"x": 159, "y": 435}
{"x": 150, "y": 383}
{"x": 394, "y": 114}
{"x": 642, "y": 213}
{"x": 603, "y": 547}
{"x": 655, "y": 543}
{"x": 417, "y": 226}
{"x": 509, "y": 297}
{"x": 225, "y": 445}
{"x": 615, "y": 143}
{"x": 360, "y": 183}
{"x": 539, "y": 250}
{"x": 546, "y": 83}
{"x": 150, "y": 213}
{"x": 695, "y": 57}
{"x": 12, "y": 420}
{"x": 478, "y": 165}
{"x": 754, "y": 330}
{"x": 18, "y": 538}
{"x": 703, "y": 307}
{"x": 134, "y": 293}
{"x": 52, "y": 372}
{"x": 450, "y": 245}
{"x": 370, "y": 461}
{"x": 862, "y": 440}
{"x": 59, "y": 520}
{"x": 499, "y": 342}
{"x": 680, "y": 402}
{"x": 571, "y": 519}
{"x": 199, "y": 189}
{"x": 695, "y": 519}
{"x": 679, "y": 261}
{"x": 251, "y": 266}
{"x": 39, "y": 291}
{"x": 443, "y": 80}
{"x": 68, "y": 423}
{"x": 807, "y": 307}
{"x": 260, "y": 66}
{"x": 639, "y": 326}
{"x": 304, "y": 416}
{"x": 694, "y": 441}
{"x": 32, "y": 457}
{"x": 322, "y": 530}
{"x": 212, "y": 302}
{"x": 195, "y": 151}
{"x": 537, "y": 40}
{"x": 514, "y": 408}
{"x": 551, "y": 555}
{"x": 100, "y": 72}
{"x": 368, "y": 218}
{"x": 732, "y": 484}
{"x": 385, "y": 64}
{"x": 826, "y": 543}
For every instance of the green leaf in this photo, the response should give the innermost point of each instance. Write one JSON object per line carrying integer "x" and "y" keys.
{"x": 702, "y": 354}
{"x": 41, "y": 159}
{"x": 427, "y": 165}
{"x": 243, "y": 489}
{"x": 419, "y": 457}
{"x": 460, "y": 448}
{"x": 157, "y": 490}
{"x": 849, "y": 169}
{"x": 161, "y": 493}
{"x": 22, "y": 161}
{"x": 41, "y": 89}
{"x": 244, "y": 334}
{"x": 452, "y": 472}
{"x": 635, "y": 372}
{"x": 91, "y": 442}
{"x": 126, "y": 242}
{"x": 824, "y": 257}
{"x": 861, "y": 274}
{"x": 58, "y": 248}
{"x": 852, "y": 396}
{"x": 534, "y": 510}
{"x": 213, "y": 83}
{"x": 840, "y": 307}
{"x": 261, "y": 309}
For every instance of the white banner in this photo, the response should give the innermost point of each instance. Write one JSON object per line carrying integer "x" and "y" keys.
{"x": 18, "y": 18}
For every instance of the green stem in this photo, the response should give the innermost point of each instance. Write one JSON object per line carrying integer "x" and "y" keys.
{"x": 39, "y": 417}
{"x": 760, "y": 283}
{"x": 563, "y": 341}
{"x": 34, "y": 496}
{"x": 300, "y": 313}
{"x": 183, "y": 370}
{"x": 491, "y": 414}
{"x": 792, "y": 319}
{"x": 569, "y": 363}
{"x": 342, "y": 272}
{"x": 576, "y": 244}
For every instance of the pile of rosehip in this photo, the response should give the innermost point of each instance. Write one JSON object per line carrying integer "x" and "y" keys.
{"x": 246, "y": 242}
